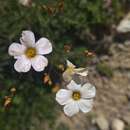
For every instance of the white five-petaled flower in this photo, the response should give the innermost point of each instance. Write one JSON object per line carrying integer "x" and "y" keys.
{"x": 29, "y": 53}
{"x": 76, "y": 98}
{"x": 71, "y": 70}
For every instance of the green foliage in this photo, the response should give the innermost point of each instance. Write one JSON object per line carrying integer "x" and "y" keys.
{"x": 30, "y": 103}
{"x": 104, "y": 70}
{"x": 73, "y": 25}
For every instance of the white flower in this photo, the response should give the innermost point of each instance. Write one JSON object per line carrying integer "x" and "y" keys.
{"x": 76, "y": 98}
{"x": 29, "y": 53}
{"x": 124, "y": 25}
{"x": 71, "y": 70}
{"x": 25, "y": 2}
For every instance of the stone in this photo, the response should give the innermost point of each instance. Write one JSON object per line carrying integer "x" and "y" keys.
{"x": 93, "y": 128}
{"x": 117, "y": 124}
{"x": 127, "y": 43}
{"x": 102, "y": 123}
{"x": 126, "y": 118}
{"x": 104, "y": 58}
{"x": 121, "y": 47}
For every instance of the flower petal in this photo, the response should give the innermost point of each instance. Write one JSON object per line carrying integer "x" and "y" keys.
{"x": 85, "y": 105}
{"x": 70, "y": 64}
{"x": 81, "y": 71}
{"x": 43, "y": 46}
{"x": 88, "y": 91}
{"x": 73, "y": 86}
{"x": 62, "y": 96}
{"x": 16, "y": 49}
{"x": 71, "y": 108}
{"x": 39, "y": 63}
{"x": 67, "y": 76}
{"x": 28, "y": 38}
{"x": 22, "y": 64}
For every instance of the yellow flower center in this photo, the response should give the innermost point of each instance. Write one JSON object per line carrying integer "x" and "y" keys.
{"x": 30, "y": 52}
{"x": 76, "y": 95}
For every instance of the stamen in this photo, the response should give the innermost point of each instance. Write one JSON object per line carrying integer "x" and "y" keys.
{"x": 30, "y": 52}
{"x": 76, "y": 95}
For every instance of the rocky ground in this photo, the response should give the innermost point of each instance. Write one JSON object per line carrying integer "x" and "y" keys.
{"x": 112, "y": 103}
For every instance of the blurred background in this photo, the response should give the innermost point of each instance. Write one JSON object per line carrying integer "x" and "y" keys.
{"x": 87, "y": 33}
